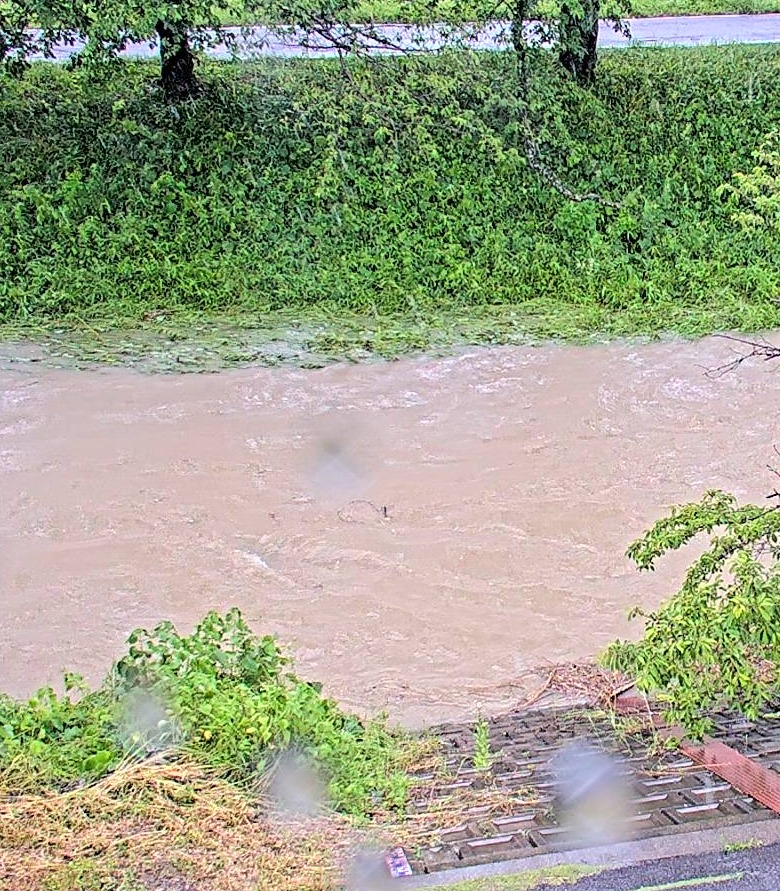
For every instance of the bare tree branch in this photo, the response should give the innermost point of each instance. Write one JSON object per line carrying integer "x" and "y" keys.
{"x": 757, "y": 349}
{"x": 552, "y": 179}
{"x": 520, "y": 45}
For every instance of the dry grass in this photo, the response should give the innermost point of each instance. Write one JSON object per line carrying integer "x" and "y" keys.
{"x": 171, "y": 825}
{"x": 423, "y": 829}
{"x": 168, "y": 826}
{"x": 583, "y": 682}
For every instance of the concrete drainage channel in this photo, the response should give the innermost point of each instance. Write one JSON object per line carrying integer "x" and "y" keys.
{"x": 548, "y": 760}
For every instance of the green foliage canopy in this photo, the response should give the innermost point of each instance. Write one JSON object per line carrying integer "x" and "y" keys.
{"x": 716, "y": 642}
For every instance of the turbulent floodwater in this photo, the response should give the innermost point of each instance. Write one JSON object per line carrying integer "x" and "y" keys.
{"x": 420, "y": 533}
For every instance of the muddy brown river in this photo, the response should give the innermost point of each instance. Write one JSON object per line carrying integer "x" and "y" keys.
{"x": 420, "y": 533}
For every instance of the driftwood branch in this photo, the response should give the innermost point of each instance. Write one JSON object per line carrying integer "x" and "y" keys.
{"x": 776, "y": 472}
{"x": 754, "y": 349}
{"x": 760, "y": 349}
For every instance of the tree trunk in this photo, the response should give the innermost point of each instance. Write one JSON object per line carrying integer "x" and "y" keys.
{"x": 520, "y": 45}
{"x": 177, "y": 61}
{"x": 579, "y": 35}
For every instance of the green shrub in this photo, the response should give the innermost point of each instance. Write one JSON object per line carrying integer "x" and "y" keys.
{"x": 716, "y": 642}
{"x": 754, "y": 195}
{"x": 223, "y": 695}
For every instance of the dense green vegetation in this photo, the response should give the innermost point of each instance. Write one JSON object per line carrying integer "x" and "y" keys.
{"x": 393, "y": 11}
{"x": 390, "y": 194}
{"x": 716, "y": 642}
{"x": 221, "y": 695}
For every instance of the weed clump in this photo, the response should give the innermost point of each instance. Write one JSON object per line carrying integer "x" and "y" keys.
{"x": 223, "y": 697}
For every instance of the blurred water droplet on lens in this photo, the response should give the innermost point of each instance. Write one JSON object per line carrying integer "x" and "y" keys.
{"x": 146, "y": 724}
{"x": 296, "y": 787}
{"x": 335, "y": 466}
{"x": 593, "y": 797}
{"x": 335, "y": 472}
{"x": 368, "y": 872}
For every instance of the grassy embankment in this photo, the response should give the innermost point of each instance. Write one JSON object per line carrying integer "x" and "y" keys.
{"x": 384, "y": 213}
{"x": 203, "y": 762}
{"x": 645, "y": 8}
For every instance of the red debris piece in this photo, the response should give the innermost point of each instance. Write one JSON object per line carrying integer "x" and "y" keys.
{"x": 730, "y": 765}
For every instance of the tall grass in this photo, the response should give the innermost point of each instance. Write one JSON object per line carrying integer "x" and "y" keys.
{"x": 402, "y": 191}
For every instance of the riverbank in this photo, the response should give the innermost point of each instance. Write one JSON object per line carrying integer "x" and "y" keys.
{"x": 524, "y": 818}
{"x": 284, "y": 194}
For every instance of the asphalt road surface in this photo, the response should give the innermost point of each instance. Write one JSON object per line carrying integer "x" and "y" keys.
{"x": 666, "y": 31}
{"x": 752, "y": 869}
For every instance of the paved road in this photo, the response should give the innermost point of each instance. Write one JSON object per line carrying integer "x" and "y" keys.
{"x": 756, "y": 869}
{"x": 672, "y": 31}
{"x": 694, "y": 30}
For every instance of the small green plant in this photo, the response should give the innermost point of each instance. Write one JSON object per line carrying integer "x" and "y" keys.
{"x": 483, "y": 756}
{"x": 747, "y": 845}
{"x": 623, "y": 727}
{"x": 716, "y": 642}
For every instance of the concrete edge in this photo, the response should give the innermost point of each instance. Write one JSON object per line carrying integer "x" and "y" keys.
{"x": 608, "y": 857}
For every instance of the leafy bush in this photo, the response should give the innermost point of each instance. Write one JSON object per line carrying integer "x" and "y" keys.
{"x": 754, "y": 195}
{"x": 222, "y": 694}
{"x": 716, "y": 642}
{"x": 404, "y": 188}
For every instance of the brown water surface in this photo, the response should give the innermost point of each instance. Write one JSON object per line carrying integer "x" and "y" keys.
{"x": 513, "y": 479}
